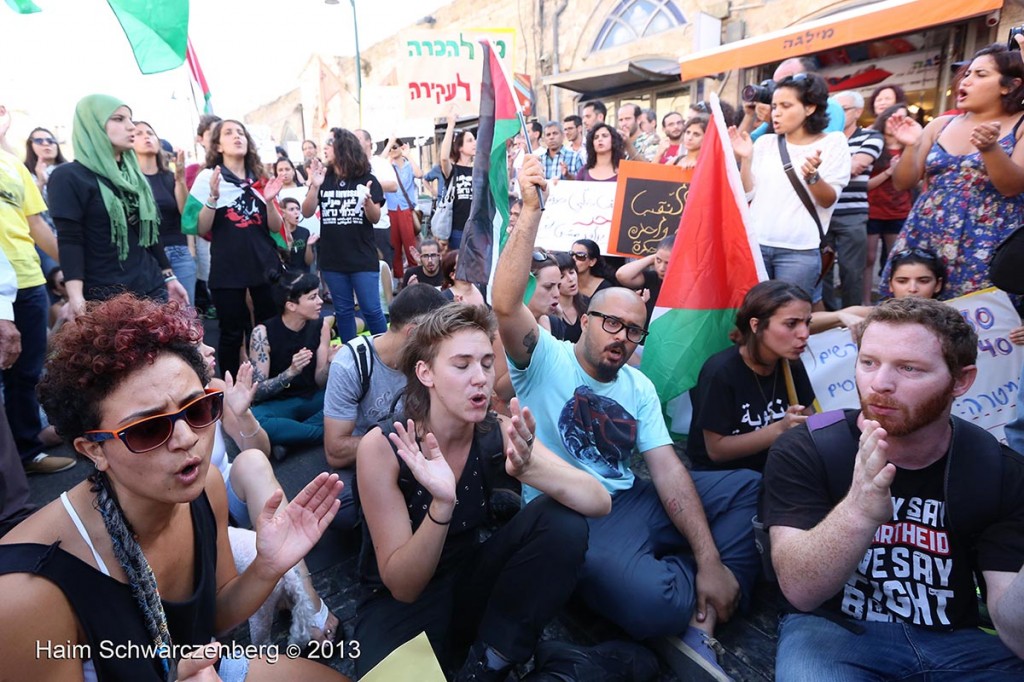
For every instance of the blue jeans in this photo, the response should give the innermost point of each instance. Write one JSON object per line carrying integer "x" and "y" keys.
{"x": 1015, "y": 429}
{"x": 796, "y": 267}
{"x": 455, "y": 240}
{"x": 366, "y": 286}
{"x": 184, "y": 266}
{"x": 814, "y": 649}
{"x": 294, "y": 420}
{"x": 31, "y": 309}
{"x": 640, "y": 572}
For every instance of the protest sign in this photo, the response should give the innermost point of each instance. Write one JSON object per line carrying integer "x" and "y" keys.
{"x": 649, "y": 203}
{"x": 576, "y": 210}
{"x": 445, "y": 66}
{"x": 991, "y": 402}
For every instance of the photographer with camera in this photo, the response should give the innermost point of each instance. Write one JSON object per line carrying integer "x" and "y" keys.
{"x": 757, "y": 100}
{"x": 793, "y": 178}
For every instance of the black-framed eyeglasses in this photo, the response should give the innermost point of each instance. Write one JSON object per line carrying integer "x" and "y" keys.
{"x": 429, "y": 256}
{"x": 613, "y": 325}
{"x": 581, "y": 255}
{"x": 44, "y": 140}
{"x": 916, "y": 252}
{"x": 149, "y": 433}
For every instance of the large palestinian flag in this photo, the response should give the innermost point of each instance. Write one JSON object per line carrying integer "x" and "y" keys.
{"x": 714, "y": 263}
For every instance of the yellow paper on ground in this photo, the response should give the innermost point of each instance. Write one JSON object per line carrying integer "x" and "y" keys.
{"x": 414, "y": 661}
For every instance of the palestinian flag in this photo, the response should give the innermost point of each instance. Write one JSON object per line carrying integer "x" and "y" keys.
{"x": 157, "y": 31}
{"x": 500, "y": 119}
{"x": 232, "y": 197}
{"x": 198, "y": 78}
{"x": 23, "y": 6}
{"x": 715, "y": 261}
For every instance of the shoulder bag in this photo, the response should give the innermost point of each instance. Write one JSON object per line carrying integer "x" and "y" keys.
{"x": 441, "y": 220}
{"x": 828, "y": 253}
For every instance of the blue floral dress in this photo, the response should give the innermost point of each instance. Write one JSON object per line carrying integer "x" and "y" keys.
{"x": 961, "y": 217}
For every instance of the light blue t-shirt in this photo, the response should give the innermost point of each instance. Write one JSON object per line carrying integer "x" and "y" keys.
{"x": 594, "y": 426}
{"x": 836, "y": 121}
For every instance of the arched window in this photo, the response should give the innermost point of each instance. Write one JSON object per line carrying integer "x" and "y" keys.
{"x": 634, "y": 19}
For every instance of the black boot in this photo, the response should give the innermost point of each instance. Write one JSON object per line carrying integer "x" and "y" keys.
{"x": 613, "y": 661}
{"x": 478, "y": 669}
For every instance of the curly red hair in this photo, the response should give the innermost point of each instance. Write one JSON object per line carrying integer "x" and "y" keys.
{"x": 89, "y": 357}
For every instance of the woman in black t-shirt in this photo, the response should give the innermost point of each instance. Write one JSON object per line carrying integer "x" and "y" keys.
{"x": 458, "y": 148}
{"x": 235, "y": 195}
{"x": 349, "y": 197}
{"x": 107, "y": 220}
{"x": 740, "y": 402}
{"x": 170, "y": 193}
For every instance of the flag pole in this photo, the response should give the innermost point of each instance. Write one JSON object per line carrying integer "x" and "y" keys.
{"x": 787, "y": 373}
{"x": 529, "y": 150}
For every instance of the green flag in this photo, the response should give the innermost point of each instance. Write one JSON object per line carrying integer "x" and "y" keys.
{"x": 156, "y": 29}
{"x": 23, "y": 6}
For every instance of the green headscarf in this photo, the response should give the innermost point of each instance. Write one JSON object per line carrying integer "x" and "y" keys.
{"x": 132, "y": 191}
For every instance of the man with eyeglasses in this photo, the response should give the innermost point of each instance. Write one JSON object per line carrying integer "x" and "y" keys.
{"x": 429, "y": 269}
{"x": 676, "y": 555}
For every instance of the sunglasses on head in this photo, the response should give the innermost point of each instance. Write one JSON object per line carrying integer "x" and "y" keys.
{"x": 916, "y": 253}
{"x": 540, "y": 255}
{"x": 149, "y": 433}
{"x": 44, "y": 140}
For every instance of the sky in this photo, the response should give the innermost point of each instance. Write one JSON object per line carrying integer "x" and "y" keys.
{"x": 251, "y": 52}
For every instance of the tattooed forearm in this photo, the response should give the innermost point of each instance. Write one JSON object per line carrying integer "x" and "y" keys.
{"x": 271, "y": 387}
{"x": 530, "y": 341}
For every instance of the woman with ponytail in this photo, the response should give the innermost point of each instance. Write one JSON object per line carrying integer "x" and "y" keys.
{"x": 108, "y": 224}
{"x": 136, "y": 559}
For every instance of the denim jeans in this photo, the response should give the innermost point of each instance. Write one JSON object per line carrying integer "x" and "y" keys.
{"x": 640, "y": 572}
{"x": 294, "y": 420}
{"x": 1015, "y": 429}
{"x": 796, "y": 267}
{"x": 814, "y": 649}
{"x": 184, "y": 266}
{"x": 366, "y": 287}
{"x": 31, "y": 309}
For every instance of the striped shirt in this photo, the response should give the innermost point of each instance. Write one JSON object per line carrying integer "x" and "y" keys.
{"x": 854, "y": 197}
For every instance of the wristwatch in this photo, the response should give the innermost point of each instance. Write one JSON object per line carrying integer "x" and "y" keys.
{"x": 813, "y": 179}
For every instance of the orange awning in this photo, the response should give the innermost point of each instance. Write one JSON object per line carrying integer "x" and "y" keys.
{"x": 859, "y": 25}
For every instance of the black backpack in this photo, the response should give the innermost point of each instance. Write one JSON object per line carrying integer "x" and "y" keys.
{"x": 363, "y": 357}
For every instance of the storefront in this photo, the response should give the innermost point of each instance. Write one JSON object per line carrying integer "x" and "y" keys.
{"x": 909, "y": 43}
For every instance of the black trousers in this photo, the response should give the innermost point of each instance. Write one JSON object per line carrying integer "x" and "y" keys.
{"x": 236, "y": 323}
{"x": 504, "y": 595}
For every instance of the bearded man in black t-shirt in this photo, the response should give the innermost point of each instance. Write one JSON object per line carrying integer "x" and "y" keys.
{"x": 878, "y": 529}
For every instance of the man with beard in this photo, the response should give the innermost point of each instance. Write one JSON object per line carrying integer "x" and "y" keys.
{"x": 671, "y": 146}
{"x": 429, "y": 269}
{"x": 676, "y": 555}
{"x": 882, "y": 519}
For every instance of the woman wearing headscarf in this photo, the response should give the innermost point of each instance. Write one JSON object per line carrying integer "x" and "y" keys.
{"x": 107, "y": 220}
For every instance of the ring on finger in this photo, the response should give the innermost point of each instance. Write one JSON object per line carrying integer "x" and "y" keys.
{"x": 529, "y": 441}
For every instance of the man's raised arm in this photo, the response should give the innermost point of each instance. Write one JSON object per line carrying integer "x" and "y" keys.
{"x": 516, "y": 324}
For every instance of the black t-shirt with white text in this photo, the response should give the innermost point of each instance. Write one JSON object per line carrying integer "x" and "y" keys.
{"x": 916, "y": 569}
{"x": 731, "y": 399}
{"x": 463, "y": 179}
{"x": 346, "y": 236}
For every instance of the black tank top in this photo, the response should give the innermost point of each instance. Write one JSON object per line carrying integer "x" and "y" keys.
{"x": 284, "y": 343}
{"x": 486, "y": 496}
{"x": 106, "y": 608}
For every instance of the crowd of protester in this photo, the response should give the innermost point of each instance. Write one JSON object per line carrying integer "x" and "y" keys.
{"x": 479, "y": 437}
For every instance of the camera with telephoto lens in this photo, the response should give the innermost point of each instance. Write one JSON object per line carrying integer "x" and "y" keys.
{"x": 760, "y": 93}
{"x": 1011, "y": 44}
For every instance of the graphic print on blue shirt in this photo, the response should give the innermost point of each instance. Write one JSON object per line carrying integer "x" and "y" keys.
{"x": 597, "y": 431}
